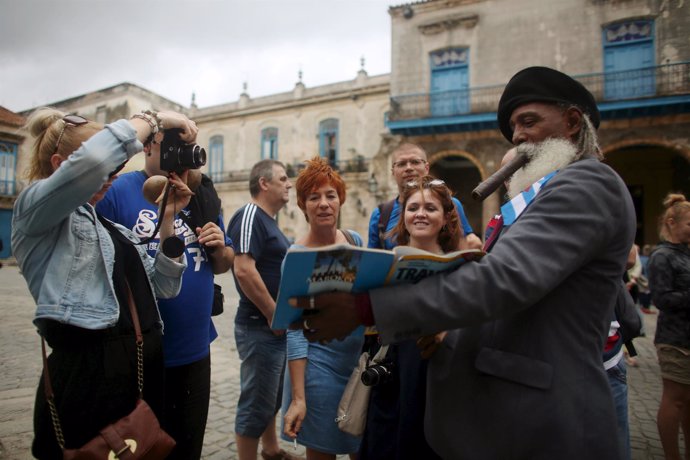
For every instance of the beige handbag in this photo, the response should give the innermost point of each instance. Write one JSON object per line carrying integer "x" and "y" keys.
{"x": 352, "y": 409}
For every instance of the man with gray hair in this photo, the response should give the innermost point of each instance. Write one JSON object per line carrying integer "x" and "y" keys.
{"x": 520, "y": 373}
{"x": 260, "y": 249}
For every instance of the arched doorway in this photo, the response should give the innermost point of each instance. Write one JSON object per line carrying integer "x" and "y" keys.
{"x": 650, "y": 170}
{"x": 461, "y": 172}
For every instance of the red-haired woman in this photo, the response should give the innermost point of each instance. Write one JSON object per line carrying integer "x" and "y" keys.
{"x": 317, "y": 374}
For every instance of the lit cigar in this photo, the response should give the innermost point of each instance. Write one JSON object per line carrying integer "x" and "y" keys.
{"x": 494, "y": 181}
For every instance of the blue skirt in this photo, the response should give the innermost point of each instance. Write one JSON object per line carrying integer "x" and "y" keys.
{"x": 328, "y": 369}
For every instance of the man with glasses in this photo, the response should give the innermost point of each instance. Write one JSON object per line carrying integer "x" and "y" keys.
{"x": 520, "y": 373}
{"x": 409, "y": 163}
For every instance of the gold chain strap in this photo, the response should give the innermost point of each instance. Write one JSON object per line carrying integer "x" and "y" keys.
{"x": 56, "y": 424}
{"x": 140, "y": 368}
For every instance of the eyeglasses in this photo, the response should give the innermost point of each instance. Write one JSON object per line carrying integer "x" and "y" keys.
{"x": 414, "y": 162}
{"x": 70, "y": 120}
{"x": 426, "y": 184}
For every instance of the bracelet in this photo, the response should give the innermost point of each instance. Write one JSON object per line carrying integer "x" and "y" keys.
{"x": 154, "y": 114}
{"x": 149, "y": 120}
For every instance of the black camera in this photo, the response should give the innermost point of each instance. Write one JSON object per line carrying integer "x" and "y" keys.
{"x": 377, "y": 374}
{"x": 177, "y": 156}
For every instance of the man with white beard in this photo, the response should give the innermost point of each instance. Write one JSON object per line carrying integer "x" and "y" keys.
{"x": 545, "y": 157}
{"x": 521, "y": 375}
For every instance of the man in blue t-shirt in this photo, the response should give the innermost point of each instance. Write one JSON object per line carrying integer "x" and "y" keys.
{"x": 187, "y": 317}
{"x": 261, "y": 247}
{"x": 410, "y": 163}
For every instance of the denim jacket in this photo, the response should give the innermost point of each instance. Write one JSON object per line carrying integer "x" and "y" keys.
{"x": 65, "y": 253}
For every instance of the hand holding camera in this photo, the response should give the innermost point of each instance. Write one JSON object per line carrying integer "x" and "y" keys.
{"x": 178, "y": 156}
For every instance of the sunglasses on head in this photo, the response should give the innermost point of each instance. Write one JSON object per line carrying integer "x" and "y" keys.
{"x": 426, "y": 184}
{"x": 69, "y": 120}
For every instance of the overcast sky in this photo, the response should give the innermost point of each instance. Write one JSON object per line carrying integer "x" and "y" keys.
{"x": 56, "y": 49}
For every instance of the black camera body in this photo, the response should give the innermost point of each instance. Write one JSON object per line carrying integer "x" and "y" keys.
{"x": 378, "y": 373}
{"x": 176, "y": 156}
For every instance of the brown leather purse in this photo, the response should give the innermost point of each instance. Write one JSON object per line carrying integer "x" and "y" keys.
{"x": 137, "y": 435}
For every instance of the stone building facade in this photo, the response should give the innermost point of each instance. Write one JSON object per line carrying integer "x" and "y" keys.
{"x": 343, "y": 122}
{"x": 450, "y": 60}
{"x": 12, "y": 160}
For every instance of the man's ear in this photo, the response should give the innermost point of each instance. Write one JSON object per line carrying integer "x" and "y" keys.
{"x": 262, "y": 183}
{"x": 574, "y": 121}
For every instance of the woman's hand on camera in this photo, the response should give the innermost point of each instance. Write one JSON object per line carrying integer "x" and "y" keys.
{"x": 170, "y": 120}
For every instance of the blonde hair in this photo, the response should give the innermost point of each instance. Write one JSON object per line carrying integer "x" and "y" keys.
{"x": 676, "y": 205}
{"x": 45, "y": 126}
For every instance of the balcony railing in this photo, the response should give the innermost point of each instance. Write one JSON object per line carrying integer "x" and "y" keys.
{"x": 657, "y": 81}
{"x": 357, "y": 165}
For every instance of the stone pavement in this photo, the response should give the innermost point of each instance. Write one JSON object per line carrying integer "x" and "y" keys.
{"x": 20, "y": 366}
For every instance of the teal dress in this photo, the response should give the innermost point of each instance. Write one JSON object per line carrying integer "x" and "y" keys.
{"x": 327, "y": 371}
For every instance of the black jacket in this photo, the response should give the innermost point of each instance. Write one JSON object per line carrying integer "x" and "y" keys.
{"x": 669, "y": 281}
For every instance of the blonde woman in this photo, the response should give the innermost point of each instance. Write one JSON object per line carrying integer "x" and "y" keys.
{"x": 78, "y": 270}
{"x": 669, "y": 280}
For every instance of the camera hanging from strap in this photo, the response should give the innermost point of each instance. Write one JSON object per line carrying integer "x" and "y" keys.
{"x": 172, "y": 246}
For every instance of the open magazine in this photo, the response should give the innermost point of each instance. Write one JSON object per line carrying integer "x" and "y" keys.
{"x": 342, "y": 267}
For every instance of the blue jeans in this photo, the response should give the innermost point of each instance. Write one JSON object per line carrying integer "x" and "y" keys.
{"x": 619, "y": 388}
{"x": 261, "y": 378}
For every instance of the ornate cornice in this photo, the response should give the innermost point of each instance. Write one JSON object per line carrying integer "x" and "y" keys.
{"x": 466, "y": 21}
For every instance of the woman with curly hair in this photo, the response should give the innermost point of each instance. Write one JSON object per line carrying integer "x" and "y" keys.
{"x": 430, "y": 222}
{"x": 669, "y": 280}
{"x": 317, "y": 373}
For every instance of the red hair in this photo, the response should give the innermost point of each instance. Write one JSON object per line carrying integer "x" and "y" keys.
{"x": 317, "y": 174}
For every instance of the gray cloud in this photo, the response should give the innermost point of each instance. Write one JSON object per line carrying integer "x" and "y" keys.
{"x": 53, "y": 50}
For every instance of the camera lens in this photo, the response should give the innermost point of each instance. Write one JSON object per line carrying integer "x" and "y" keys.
{"x": 199, "y": 156}
{"x": 191, "y": 157}
{"x": 375, "y": 375}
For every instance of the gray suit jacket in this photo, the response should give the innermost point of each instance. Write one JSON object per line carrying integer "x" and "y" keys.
{"x": 521, "y": 374}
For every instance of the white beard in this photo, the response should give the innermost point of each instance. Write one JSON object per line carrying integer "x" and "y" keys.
{"x": 544, "y": 157}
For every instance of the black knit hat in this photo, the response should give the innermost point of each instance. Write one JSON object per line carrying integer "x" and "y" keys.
{"x": 542, "y": 84}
